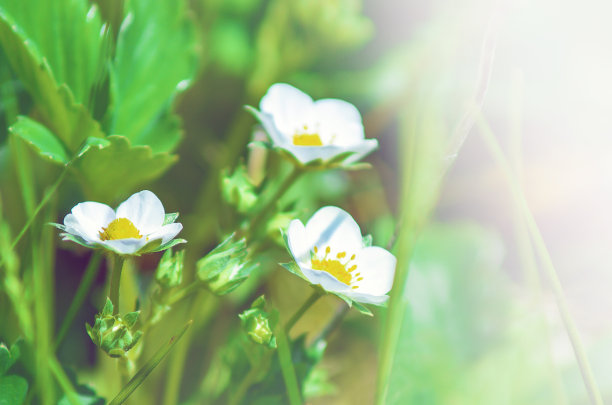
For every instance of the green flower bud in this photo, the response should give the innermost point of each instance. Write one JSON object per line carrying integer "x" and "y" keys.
{"x": 238, "y": 190}
{"x": 225, "y": 267}
{"x": 170, "y": 269}
{"x": 258, "y": 324}
{"x": 114, "y": 333}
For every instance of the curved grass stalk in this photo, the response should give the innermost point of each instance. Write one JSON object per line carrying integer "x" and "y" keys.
{"x": 548, "y": 266}
{"x": 148, "y": 367}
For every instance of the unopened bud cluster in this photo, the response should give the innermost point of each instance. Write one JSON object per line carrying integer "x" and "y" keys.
{"x": 113, "y": 333}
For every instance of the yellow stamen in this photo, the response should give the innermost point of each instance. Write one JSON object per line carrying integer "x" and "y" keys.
{"x": 336, "y": 268}
{"x": 307, "y": 140}
{"x": 120, "y": 228}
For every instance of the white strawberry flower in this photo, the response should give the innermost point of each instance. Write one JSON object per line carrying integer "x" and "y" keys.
{"x": 330, "y": 251}
{"x": 314, "y": 132}
{"x": 139, "y": 225}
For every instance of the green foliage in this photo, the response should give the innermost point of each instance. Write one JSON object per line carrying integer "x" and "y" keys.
{"x": 225, "y": 267}
{"x": 238, "y": 190}
{"x": 41, "y": 139}
{"x": 57, "y": 104}
{"x": 170, "y": 269}
{"x": 13, "y": 388}
{"x": 155, "y": 57}
{"x": 102, "y": 170}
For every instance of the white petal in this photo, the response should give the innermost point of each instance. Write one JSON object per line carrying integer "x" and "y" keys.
{"x": 361, "y": 149}
{"x": 125, "y": 246}
{"x": 289, "y": 107}
{"x": 377, "y": 267}
{"x": 87, "y": 219}
{"x": 340, "y": 122}
{"x": 296, "y": 239}
{"x": 267, "y": 121}
{"x": 324, "y": 279}
{"x": 306, "y": 154}
{"x": 336, "y": 228}
{"x": 166, "y": 233}
{"x": 336, "y": 109}
{"x": 367, "y": 298}
{"x": 145, "y": 211}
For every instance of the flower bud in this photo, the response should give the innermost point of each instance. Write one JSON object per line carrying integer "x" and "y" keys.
{"x": 114, "y": 334}
{"x": 225, "y": 267}
{"x": 170, "y": 269}
{"x": 238, "y": 190}
{"x": 258, "y": 324}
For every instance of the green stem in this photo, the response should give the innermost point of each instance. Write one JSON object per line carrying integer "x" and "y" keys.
{"x": 251, "y": 378}
{"x": 549, "y": 268}
{"x": 201, "y": 305}
{"x": 298, "y": 314}
{"x": 42, "y": 203}
{"x": 265, "y": 211}
{"x": 90, "y": 274}
{"x": 148, "y": 367}
{"x": 185, "y": 292}
{"x": 63, "y": 381}
{"x": 339, "y": 315}
{"x": 118, "y": 262}
{"x": 287, "y": 369}
{"x": 43, "y": 309}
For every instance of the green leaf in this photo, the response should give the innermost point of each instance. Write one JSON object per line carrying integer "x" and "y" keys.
{"x": 41, "y": 139}
{"x": 170, "y": 218}
{"x": 143, "y": 82}
{"x": 107, "y": 172}
{"x": 13, "y": 390}
{"x": 56, "y": 103}
{"x": 78, "y": 46}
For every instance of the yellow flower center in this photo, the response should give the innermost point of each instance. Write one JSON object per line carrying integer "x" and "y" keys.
{"x": 305, "y": 138}
{"x": 343, "y": 272}
{"x": 120, "y": 228}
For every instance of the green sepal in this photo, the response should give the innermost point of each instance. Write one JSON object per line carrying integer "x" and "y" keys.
{"x": 131, "y": 318}
{"x": 367, "y": 240}
{"x": 108, "y": 308}
{"x": 362, "y": 308}
{"x": 292, "y": 267}
{"x": 260, "y": 144}
{"x": 353, "y": 304}
{"x": 167, "y": 245}
{"x": 170, "y": 218}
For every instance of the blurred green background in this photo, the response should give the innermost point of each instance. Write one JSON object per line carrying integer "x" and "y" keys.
{"x": 477, "y": 317}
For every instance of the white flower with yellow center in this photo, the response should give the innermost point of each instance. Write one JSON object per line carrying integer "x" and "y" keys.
{"x": 325, "y": 130}
{"x": 331, "y": 252}
{"x": 139, "y": 225}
